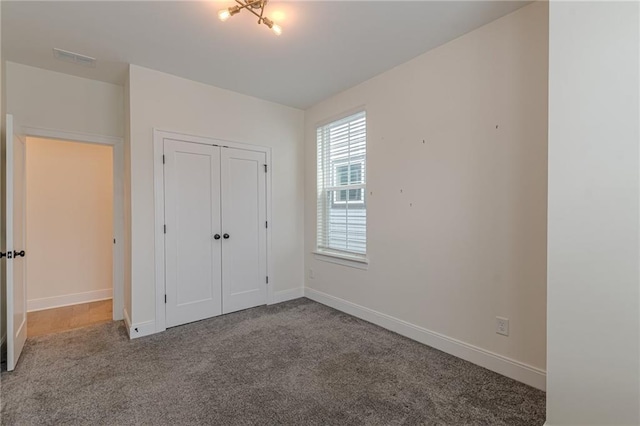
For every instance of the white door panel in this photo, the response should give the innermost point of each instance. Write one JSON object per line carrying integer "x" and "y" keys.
{"x": 15, "y": 243}
{"x": 192, "y": 214}
{"x": 244, "y": 221}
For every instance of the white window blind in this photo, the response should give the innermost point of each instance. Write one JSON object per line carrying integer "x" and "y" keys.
{"x": 342, "y": 207}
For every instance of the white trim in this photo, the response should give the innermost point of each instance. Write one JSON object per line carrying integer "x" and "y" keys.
{"x": 344, "y": 114}
{"x": 138, "y": 330}
{"x": 342, "y": 259}
{"x": 41, "y": 132}
{"x": 142, "y": 329}
{"x": 286, "y": 295}
{"x": 158, "y": 197}
{"x": 68, "y": 299}
{"x": 158, "y": 190}
{"x": 516, "y": 370}
{"x": 127, "y": 321}
{"x": 118, "y": 199}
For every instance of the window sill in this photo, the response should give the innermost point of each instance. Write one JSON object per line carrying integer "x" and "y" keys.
{"x": 342, "y": 259}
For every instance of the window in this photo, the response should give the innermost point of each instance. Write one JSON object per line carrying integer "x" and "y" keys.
{"x": 342, "y": 209}
{"x": 349, "y": 174}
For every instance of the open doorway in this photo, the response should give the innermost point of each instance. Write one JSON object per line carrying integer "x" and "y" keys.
{"x": 69, "y": 234}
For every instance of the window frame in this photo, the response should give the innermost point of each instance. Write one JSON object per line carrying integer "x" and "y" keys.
{"x": 349, "y": 186}
{"x": 336, "y": 255}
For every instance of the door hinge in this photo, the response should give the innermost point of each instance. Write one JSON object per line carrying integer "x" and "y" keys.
{"x": 267, "y": 280}
{"x": 165, "y": 229}
{"x": 266, "y": 224}
{"x": 265, "y": 168}
{"x": 165, "y": 298}
{"x": 163, "y": 160}
{"x": 114, "y": 241}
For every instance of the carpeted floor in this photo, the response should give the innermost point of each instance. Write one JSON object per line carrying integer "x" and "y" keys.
{"x": 296, "y": 363}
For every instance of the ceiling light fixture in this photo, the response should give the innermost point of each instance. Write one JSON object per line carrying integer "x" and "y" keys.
{"x": 254, "y": 6}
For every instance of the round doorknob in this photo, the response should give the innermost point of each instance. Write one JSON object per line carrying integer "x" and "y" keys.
{"x": 217, "y": 236}
{"x": 18, "y": 253}
{"x": 225, "y": 236}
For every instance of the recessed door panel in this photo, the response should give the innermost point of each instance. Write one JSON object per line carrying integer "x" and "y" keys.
{"x": 244, "y": 222}
{"x": 192, "y": 214}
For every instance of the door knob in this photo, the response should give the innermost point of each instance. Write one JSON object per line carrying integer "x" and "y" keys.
{"x": 225, "y": 236}
{"x": 18, "y": 253}
{"x": 217, "y": 236}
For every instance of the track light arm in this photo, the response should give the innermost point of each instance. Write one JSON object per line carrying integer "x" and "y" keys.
{"x": 250, "y": 5}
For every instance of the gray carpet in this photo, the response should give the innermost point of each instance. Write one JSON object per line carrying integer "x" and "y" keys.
{"x": 296, "y": 363}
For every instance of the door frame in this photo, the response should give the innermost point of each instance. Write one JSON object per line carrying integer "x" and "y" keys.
{"x": 118, "y": 199}
{"x": 158, "y": 189}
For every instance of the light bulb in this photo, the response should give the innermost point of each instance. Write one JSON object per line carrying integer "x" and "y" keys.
{"x": 224, "y": 14}
{"x": 276, "y": 29}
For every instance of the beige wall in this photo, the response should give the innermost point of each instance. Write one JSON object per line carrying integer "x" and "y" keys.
{"x": 457, "y": 223}
{"x": 69, "y": 219}
{"x": 162, "y": 101}
{"x": 594, "y": 196}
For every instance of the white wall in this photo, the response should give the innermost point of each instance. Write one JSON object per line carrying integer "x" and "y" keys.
{"x": 594, "y": 193}
{"x": 79, "y": 107}
{"x": 457, "y": 223}
{"x": 69, "y": 222}
{"x": 127, "y": 198}
{"x": 166, "y": 102}
{"x": 52, "y": 100}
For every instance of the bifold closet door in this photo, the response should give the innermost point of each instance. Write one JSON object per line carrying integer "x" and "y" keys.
{"x": 244, "y": 254}
{"x": 192, "y": 215}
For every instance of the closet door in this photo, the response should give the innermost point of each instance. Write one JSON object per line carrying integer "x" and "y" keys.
{"x": 192, "y": 215}
{"x": 244, "y": 255}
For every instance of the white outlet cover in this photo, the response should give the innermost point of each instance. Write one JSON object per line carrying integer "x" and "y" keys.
{"x": 502, "y": 326}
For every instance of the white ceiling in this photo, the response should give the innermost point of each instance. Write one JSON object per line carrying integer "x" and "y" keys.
{"x": 326, "y": 46}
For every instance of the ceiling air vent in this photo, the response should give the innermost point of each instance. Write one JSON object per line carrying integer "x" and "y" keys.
{"x": 76, "y": 58}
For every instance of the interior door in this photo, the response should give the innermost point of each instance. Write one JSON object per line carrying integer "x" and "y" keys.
{"x": 14, "y": 244}
{"x": 192, "y": 241}
{"x": 244, "y": 255}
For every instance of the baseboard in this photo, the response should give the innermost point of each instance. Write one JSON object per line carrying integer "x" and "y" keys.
{"x": 516, "y": 370}
{"x": 3, "y": 348}
{"x": 68, "y": 300}
{"x": 127, "y": 321}
{"x": 142, "y": 329}
{"x": 138, "y": 330}
{"x": 285, "y": 295}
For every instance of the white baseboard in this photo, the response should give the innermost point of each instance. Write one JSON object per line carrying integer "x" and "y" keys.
{"x": 127, "y": 321}
{"x": 68, "y": 299}
{"x": 516, "y": 370}
{"x": 285, "y": 295}
{"x": 138, "y": 330}
{"x": 142, "y": 329}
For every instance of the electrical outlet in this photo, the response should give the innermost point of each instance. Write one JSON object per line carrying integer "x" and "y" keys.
{"x": 312, "y": 274}
{"x": 502, "y": 326}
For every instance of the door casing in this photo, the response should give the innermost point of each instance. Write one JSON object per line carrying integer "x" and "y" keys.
{"x": 158, "y": 182}
{"x": 118, "y": 199}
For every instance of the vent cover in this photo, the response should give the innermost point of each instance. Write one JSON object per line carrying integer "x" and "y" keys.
{"x": 75, "y": 58}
